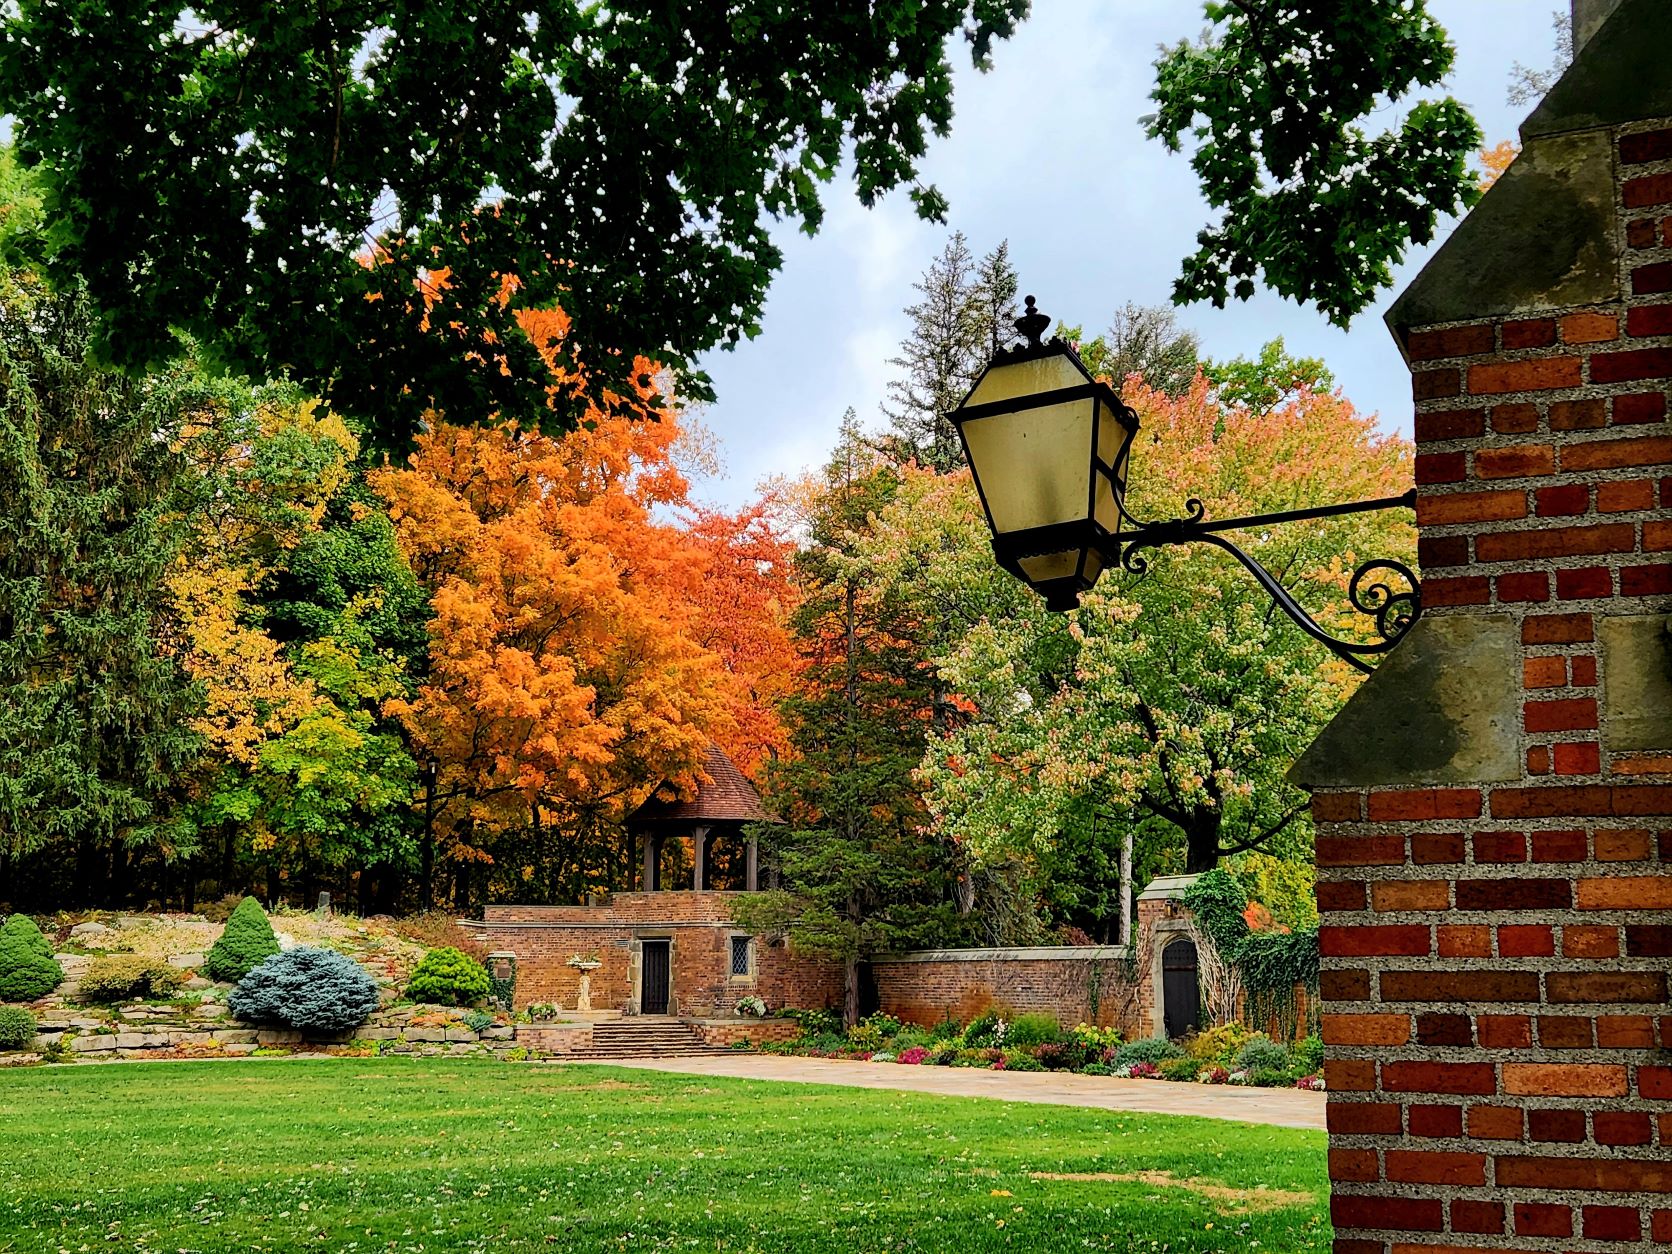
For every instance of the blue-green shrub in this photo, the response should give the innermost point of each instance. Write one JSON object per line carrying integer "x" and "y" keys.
{"x": 313, "y": 990}
{"x": 1261, "y": 1053}
{"x": 1151, "y": 1049}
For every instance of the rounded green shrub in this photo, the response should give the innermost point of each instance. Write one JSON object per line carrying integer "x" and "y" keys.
{"x": 17, "y": 1028}
{"x": 313, "y": 990}
{"x": 1152, "y": 1049}
{"x": 1261, "y": 1053}
{"x": 246, "y": 941}
{"x": 448, "y": 977}
{"x": 1033, "y": 1029}
{"x": 27, "y": 968}
{"x": 1180, "y": 1069}
{"x": 1309, "y": 1055}
{"x": 123, "y": 977}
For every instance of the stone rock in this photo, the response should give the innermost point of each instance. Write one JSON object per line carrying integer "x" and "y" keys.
{"x": 186, "y": 962}
{"x": 460, "y": 1034}
{"x": 1636, "y": 682}
{"x": 378, "y": 1034}
{"x": 132, "y": 1040}
{"x": 211, "y": 1010}
{"x": 499, "y": 1032}
{"x": 197, "y": 982}
{"x": 98, "y": 1043}
{"x": 238, "y": 1036}
{"x": 85, "y": 1023}
{"x": 461, "y": 1049}
{"x": 46, "y": 1040}
{"x": 89, "y": 929}
{"x": 424, "y": 1034}
{"x": 278, "y": 1036}
{"x": 192, "y": 1038}
{"x": 236, "y": 1050}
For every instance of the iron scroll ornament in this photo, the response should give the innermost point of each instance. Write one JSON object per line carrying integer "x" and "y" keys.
{"x": 1385, "y": 589}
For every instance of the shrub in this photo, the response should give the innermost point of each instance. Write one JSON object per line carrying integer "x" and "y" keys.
{"x": 1018, "y": 1059}
{"x": 246, "y": 941}
{"x": 1142, "y": 1071}
{"x": 448, "y": 977}
{"x": 1215, "y": 1075}
{"x": 912, "y": 1057}
{"x": 1033, "y": 1029}
{"x": 1272, "y": 1078}
{"x": 910, "y": 1038}
{"x": 882, "y": 1055}
{"x": 315, "y": 990}
{"x": 1100, "y": 1038}
{"x": 751, "y": 1006}
{"x": 17, "y": 1028}
{"x": 1098, "y": 1068}
{"x": 943, "y": 1054}
{"x": 120, "y": 977}
{"x": 814, "y": 1022}
{"x": 976, "y": 1057}
{"x": 1309, "y": 1055}
{"x": 985, "y": 1031}
{"x": 1180, "y": 1069}
{"x": 946, "y": 1030}
{"x": 478, "y": 1020}
{"x": 1261, "y": 1053}
{"x": 1151, "y": 1049}
{"x": 27, "y": 968}
{"x": 1218, "y": 1045}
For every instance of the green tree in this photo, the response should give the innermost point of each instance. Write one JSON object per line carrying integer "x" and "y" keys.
{"x": 1275, "y": 96}
{"x": 1145, "y": 340}
{"x": 1264, "y": 382}
{"x": 245, "y": 942}
{"x": 27, "y": 968}
{"x": 93, "y": 709}
{"x": 858, "y": 875}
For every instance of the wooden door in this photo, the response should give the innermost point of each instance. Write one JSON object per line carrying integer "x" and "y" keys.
{"x": 1180, "y": 999}
{"x": 653, "y": 977}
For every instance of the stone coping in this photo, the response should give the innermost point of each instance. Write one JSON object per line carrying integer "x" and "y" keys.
{"x": 1030, "y": 953}
{"x": 1167, "y": 887}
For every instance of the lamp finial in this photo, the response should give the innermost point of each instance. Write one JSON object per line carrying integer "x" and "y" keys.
{"x": 1033, "y": 324}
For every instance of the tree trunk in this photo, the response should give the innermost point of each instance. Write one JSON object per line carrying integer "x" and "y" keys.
{"x": 229, "y": 849}
{"x": 850, "y": 991}
{"x": 272, "y": 885}
{"x": 1202, "y": 842}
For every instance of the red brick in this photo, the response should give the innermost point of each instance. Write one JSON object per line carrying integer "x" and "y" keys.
{"x": 1583, "y": 415}
{"x": 1504, "y": 1032}
{"x": 1450, "y": 342}
{"x": 1578, "y": 759}
{"x": 1647, "y": 280}
{"x": 1408, "y": 1213}
{"x": 1475, "y": 590}
{"x": 1334, "y": 896}
{"x": 1344, "y": 1245}
{"x": 1495, "y": 1123}
{"x": 1436, "y": 551}
{"x": 1544, "y": 672}
{"x": 1562, "y": 501}
{"x": 1640, "y": 407}
{"x": 1544, "y": 802}
{"x": 1527, "y": 586}
{"x": 1439, "y": 1029}
{"x": 1357, "y": 940}
{"x": 1640, "y": 233}
{"x": 1651, "y": 189}
{"x": 1530, "y": 333}
{"x": 1641, "y": 450}
{"x": 1562, "y": 1032}
{"x": 1625, "y": 892}
{"x": 1584, "y": 583}
{"x": 1336, "y": 807}
{"x": 1660, "y": 1227}
{"x": 1450, "y": 424}
{"x": 1654, "y": 1082}
{"x": 1436, "y": 848}
{"x": 1563, "y": 714}
{"x": 1557, "y": 629}
{"x": 1645, "y": 581}
{"x": 1576, "y": 988}
{"x": 1625, "y": 1032}
{"x": 1349, "y": 1075}
{"x": 1442, "y": 467}
{"x": 1514, "y": 546}
{"x": 1435, "y": 1166}
{"x": 1536, "y": 375}
{"x": 1542, "y": 1219}
{"x": 1648, "y": 941}
{"x": 1526, "y": 941}
{"x": 1612, "y": 1223}
{"x": 1428, "y": 803}
{"x": 1439, "y": 1077}
{"x": 1469, "y": 507}
{"x": 1645, "y": 146}
{"x": 1584, "y": 671}
{"x": 1499, "y": 847}
{"x": 1590, "y": 942}
{"x": 1589, "y": 328}
{"x": 1360, "y": 850}
{"x": 1647, "y": 320}
{"x": 1657, "y": 537}
{"x": 1365, "y": 1029}
{"x": 1515, "y": 419}
{"x": 1357, "y": 1165}
{"x": 1627, "y": 494}
{"x": 1623, "y": 1127}
{"x": 1428, "y": 385}
{"x": 1565, "y": 1127}
{"x": 1484, "y": 1218}
{"x": 1609, "y": 1175}
{"x": 1362, "y": 1118}
{"x": 1344, "y": 985}
{"x": 1562, "y": 846}
{"x": 1538, "y": 760}
{"x": 1514, "y": 894}
{"x": 1410, "y": 895}
{"x": 1462, "y": 986}
{"x": 1624, "y": 846}
{"x": 1470, "y": 941}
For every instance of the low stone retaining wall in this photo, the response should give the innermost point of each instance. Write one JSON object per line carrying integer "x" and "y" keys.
{"x": 555, "y": 1038}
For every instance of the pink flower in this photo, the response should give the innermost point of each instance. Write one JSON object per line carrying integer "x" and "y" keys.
{"x": 912, "y": 1057}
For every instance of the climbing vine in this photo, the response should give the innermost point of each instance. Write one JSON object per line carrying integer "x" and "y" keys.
{"x": 1273, "y": 965}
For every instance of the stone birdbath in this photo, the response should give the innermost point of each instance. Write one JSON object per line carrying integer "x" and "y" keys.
{"x": 586, "y": 966}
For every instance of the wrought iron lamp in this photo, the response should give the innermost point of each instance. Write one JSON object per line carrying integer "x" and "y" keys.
{"x": 1048, "y": 446}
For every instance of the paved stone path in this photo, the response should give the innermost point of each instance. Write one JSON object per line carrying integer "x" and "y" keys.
{"x": 1287, "y": 1108}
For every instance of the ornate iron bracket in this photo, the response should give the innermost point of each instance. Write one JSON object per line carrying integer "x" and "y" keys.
{"x": 1383, "y": 588}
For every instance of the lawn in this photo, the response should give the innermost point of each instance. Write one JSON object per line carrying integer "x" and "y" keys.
{"x": 396, "y": 1154}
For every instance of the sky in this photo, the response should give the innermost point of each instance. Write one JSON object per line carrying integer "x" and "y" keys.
{"x": 1046, "y": 151}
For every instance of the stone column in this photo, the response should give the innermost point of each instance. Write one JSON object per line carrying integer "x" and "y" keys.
{"x": 699, "y": 855}
{"x": 751, "y": 866}
{"x": 649, "y": 862}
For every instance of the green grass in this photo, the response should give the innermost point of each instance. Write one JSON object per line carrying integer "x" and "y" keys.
{"x": 393, "y": 1154}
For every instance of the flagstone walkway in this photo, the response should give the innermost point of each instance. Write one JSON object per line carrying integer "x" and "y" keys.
{"x": 1288, "y": 1108}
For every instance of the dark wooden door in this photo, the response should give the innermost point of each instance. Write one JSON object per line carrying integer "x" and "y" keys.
{"x": 1180, "y": 1000}
{"x": 653, "y": 978}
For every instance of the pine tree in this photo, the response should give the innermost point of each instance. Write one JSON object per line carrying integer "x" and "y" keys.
{"x": 963, "y": 313}
{"x": 93, "y": 712}
{"x": 245, "y": 942}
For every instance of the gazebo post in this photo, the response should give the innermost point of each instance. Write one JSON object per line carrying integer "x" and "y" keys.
{"x": 649, "y": 862}
{"x": 751, "y": 866}
{"x": 699, "y": 844}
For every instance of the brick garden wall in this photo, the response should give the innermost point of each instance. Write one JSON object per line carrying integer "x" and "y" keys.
{"x": 1495, "y": 954}
{"x": 1065, "y": 982}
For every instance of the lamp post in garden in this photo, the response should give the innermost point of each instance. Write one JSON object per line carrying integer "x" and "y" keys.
{"x": 1049, "y": 448}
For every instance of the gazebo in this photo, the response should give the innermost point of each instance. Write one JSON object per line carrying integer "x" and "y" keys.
{"x": 725, "y": 801}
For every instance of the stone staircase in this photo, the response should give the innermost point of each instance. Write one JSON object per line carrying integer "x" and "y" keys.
{"x": 648, "y": 1036}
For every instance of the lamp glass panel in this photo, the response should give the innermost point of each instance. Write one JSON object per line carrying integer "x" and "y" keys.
{"x": 1104, "y": 508}
{"x": 1049, "y": 566}
{"x": 1032, "y": 464}
{"x": 1027, "y": 378}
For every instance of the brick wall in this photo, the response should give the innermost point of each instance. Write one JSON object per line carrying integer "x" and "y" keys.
{"x": 960, "y": 984}
{"x": 1495, "y": 951}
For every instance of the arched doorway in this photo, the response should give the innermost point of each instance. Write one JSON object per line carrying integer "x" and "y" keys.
{"x": 1180, "y": 997}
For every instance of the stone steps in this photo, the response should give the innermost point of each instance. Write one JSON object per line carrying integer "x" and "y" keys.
{"x": 648, "y": 1038}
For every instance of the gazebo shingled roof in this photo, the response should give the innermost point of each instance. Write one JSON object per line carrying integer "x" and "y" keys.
{"x": 725, "y": 795}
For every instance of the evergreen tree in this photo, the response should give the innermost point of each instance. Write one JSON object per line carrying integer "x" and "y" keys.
{"x": 964, "y": 311}
{"x": 93, "y": 711}
{"x": 1145, "y": 340}
{"x": 859, "y": 875}
{"x": 27, "y": 968}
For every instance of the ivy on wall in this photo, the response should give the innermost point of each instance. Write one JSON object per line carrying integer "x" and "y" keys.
{"x": 1273, "y": 965}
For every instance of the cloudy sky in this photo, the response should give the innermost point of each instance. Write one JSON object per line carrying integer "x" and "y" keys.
{"x": 1046, "y": 151}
